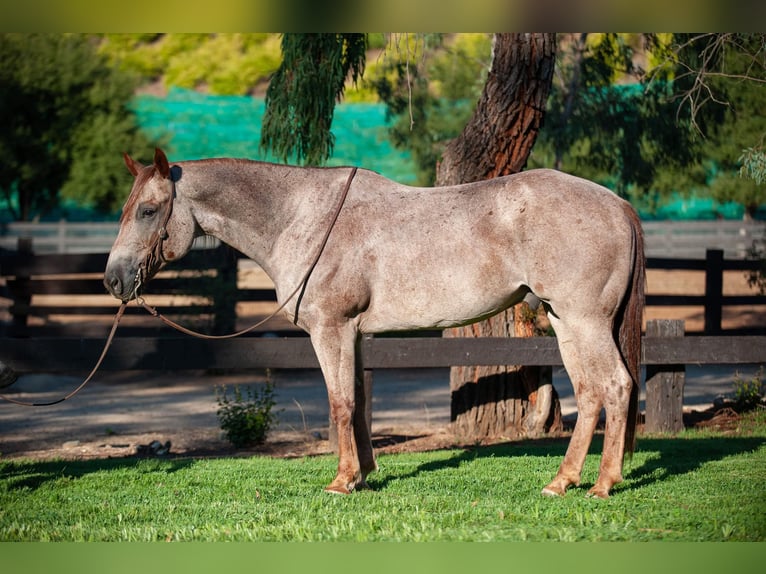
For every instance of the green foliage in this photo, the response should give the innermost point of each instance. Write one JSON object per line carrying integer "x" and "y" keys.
{"x": 748, "y": 394}
{"x": 742, "y": 124}
{"x": 625, "y": 135}
{"x": 246, "y": 419}
{"x": 300, "y": 100}
{"x": 430, "y": 88}
{"x": 226, "y": 64}
{"x": 753, "y": 162}
{"x": 65, "y": 124}
{"x": 652, "y": 134}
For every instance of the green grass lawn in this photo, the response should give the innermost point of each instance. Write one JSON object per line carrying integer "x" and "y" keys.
{"x": 697, "y": 486}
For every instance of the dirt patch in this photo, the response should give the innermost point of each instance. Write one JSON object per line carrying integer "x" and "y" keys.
{"x": 209, "y": 443}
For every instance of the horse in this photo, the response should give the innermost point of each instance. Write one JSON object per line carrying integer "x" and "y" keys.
{"x": 397, "y": 257}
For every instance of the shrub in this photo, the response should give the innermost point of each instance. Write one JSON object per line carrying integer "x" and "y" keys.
{"x": 246, "y": 418}
{"x": 748, "y": 394}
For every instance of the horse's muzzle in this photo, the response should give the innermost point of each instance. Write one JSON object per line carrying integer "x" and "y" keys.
{"x": 119, "y": 284}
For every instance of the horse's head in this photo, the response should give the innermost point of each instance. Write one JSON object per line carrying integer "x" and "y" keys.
{"x": 155, "y": 227}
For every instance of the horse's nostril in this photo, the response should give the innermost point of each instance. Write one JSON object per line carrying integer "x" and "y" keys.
{"x": 113, "y": 284}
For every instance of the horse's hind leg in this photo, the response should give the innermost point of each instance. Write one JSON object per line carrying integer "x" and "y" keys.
{"x": 600, "y": 379}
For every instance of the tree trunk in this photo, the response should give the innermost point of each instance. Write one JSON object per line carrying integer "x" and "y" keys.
{"x": 503, "y": 400}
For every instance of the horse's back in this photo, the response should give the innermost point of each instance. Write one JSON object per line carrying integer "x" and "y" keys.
{"x": 444, "y": 256}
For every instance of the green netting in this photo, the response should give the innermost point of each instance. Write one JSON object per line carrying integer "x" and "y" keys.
{"x": 201, "y": 125}
{"x": 697, "y": 208}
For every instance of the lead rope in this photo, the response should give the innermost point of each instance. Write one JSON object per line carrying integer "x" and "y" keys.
{"x": 182, "y": 329}
{"x": 108, "y": 344}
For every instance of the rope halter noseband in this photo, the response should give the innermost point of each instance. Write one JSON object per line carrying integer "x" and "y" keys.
{"x": 155, "y": 258}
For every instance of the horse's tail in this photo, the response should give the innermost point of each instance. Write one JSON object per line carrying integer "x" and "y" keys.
{"x": 629, "y": 326}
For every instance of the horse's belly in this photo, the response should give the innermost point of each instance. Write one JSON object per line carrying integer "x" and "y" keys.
{"x": 439, "y": 309}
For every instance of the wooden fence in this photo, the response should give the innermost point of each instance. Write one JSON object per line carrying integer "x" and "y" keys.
{"x": 214, "y": 276}
{"x": 680, "y": 239}
{"x": 713, "y": 300}
{"x": 665, "y": 357}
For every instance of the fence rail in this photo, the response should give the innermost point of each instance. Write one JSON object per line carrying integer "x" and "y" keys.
{"x": 664, "y": 356}
{"x": 680, "y": 239}
{"x": 58, "y": 355}
{"x": 690, "y": 239}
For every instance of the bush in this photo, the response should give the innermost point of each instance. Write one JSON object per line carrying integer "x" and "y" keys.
{"x": 246, "y": 419}
{"x": 748, "y": 394}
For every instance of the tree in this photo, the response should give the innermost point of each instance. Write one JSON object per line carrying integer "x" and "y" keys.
{"x": 606, "y": 122}
{"x": 503, "y": 400}
{"x": 65, "y": 124}
{"x": 723, "y": 76}
{"x": 227, "y": 63}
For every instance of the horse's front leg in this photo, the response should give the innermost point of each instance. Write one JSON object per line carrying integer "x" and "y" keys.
{"x": 361, "y": 428}
{"x": 335, "y": 347}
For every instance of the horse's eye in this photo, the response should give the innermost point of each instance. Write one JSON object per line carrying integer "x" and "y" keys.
{"x": 147, "y": 212}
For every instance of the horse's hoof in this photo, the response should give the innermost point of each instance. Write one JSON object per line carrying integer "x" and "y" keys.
{"x": 557, "y": 487}
{"x": 597, "y": 493}
{"x": 548, "y": 491}
{"x": 337, "y": 489}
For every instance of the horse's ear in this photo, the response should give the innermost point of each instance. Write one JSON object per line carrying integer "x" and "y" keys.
{"x": 133, "y": 166}
{"x": 161, "y": 163}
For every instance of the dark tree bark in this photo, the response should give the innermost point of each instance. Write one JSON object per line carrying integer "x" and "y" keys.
{"x": 503, "y": 400}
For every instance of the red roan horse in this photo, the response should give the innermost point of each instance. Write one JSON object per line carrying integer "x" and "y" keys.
{"x": 399, "y": 258}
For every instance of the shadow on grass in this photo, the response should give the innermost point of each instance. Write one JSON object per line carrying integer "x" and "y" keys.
{"x": 677, "y": 456}
{"x": 661, "y": 458}
{"x": 34, "y": 474}
{"x": 664, "y": 457}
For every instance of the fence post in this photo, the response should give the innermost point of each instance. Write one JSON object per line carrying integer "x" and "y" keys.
{"x": 225, "y": 296}
{"x": 62, "y": 236}
{"x": 665, "y": 384}
{"x": 713, "y": 291}
{"x": 366, "y": 382}
{"x": 19, "y": 289}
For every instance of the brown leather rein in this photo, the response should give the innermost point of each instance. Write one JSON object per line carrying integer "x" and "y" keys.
{"x": 155, "y": 256}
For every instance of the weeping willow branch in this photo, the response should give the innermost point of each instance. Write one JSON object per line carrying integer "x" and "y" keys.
{"x": 301, "y": 96}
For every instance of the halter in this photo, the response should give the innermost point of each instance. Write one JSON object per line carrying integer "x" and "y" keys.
{"x": 155, "y": 259}
{"x": 155, "y": 255}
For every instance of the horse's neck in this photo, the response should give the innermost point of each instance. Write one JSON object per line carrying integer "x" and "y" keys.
{"x": 252, "y": 207}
